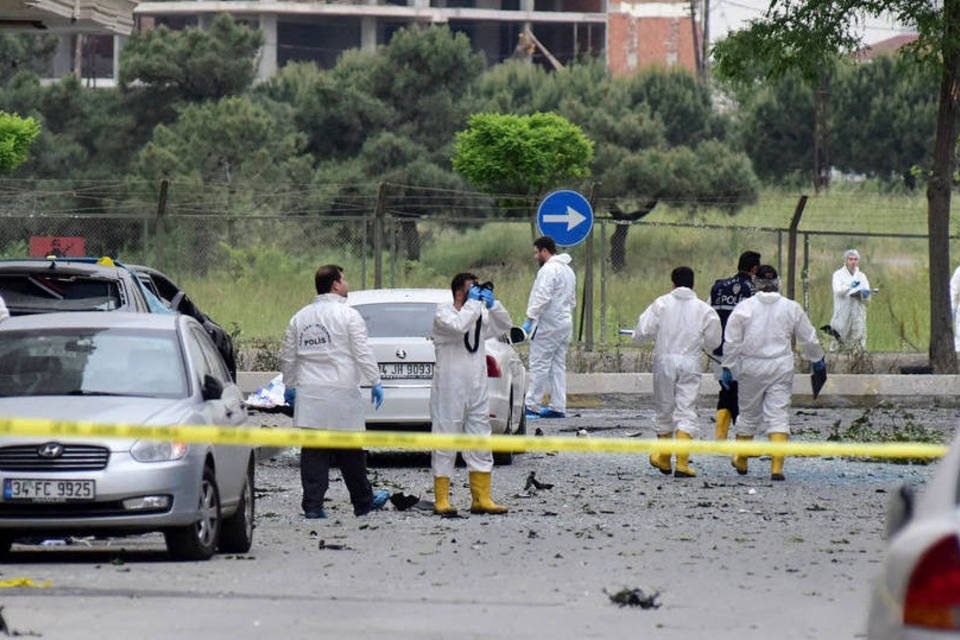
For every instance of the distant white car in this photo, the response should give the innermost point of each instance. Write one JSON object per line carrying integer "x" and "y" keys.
{"x": 400, "y": 326}
{"x": 917, "y": 596}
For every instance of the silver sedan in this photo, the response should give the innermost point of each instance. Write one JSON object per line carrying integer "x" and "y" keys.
{"x": 122, "y": 368}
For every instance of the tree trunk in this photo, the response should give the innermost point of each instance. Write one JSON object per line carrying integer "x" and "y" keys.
{"x": 618, "y": 247}
{"x": 411, "y": 239}
{"x": 943, "y": 358}
{"x": 618, "y": 240}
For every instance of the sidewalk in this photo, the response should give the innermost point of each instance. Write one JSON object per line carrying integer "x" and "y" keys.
{"x": 592, "y": 389}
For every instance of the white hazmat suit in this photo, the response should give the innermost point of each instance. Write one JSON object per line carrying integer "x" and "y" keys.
{"x": 325, "y": 355}
{"x": 553, "y": 298}
{"x": 458, "y": 395}
{"x": 851, "y": 295}
{"x": 757, "y": 350}
{"x": 954, "y": 305}
{"x": 683, "y": 327}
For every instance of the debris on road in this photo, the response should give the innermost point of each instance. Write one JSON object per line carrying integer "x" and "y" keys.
{"x": 634, "y": 598}
{"x": 536, "y": 484}
{"x": 402, "y": 501}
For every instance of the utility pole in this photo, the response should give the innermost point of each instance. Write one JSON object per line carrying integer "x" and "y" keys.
{"x": 705, "y": 20}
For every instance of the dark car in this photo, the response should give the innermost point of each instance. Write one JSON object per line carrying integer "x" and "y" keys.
{"x": 176, "y": 299}
{"x": 44, "y": 285}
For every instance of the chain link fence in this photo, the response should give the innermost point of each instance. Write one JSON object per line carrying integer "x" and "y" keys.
{"x": 219, "y": 244}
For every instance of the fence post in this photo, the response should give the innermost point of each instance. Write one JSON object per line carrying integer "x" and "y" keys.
{"x": 588, "y": 276}
{"x": 363, "y": 252}
{"x": 805, "y": 272}
{"x": 779, "y": 250}
{"x": 792, "y": 248}
{"x": 378, "y": 231}
{"x": 603, "y": 284}
{"x": 160, "y": 231}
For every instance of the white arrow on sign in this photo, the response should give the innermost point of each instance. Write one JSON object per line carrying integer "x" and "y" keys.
{"x": 572, "y": 218}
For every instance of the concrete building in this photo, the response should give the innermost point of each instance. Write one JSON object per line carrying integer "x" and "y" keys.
{"x": 90, "y": 32}
{"x": 628, "y": 35}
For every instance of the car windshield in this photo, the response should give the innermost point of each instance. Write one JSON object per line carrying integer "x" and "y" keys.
{"x": 87, "y": 361}
{"x": 398, "y": 319}
{"x": 37, "y": 293}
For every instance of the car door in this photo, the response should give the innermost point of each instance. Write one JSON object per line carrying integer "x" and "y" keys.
{"x": 226, "y": 411}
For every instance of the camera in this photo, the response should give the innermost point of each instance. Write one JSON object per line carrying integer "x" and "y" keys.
{"x": 486, "y": 285}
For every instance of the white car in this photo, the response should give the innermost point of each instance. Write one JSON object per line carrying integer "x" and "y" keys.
{"x": 400, "y": 326}
{"x": 917, "y": 596}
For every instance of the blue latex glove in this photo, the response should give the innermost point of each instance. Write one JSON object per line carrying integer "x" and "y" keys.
{"x": 527, "y": 326}
{"x": 726, "y": 378}
{"x": 487, "y": 296}
{"x": 854, "y": 284}
{"x": 820, "y": 365}
{"x": 865, "y": 294}
{"x": 376, "y": 395}
{"x": 474, "y": 293}
{"x": 290, "y": 395}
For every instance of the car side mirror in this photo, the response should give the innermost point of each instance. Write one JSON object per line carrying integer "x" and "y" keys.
{"x": 899, "y": 509}
{"x": 212, "y": 388}
{"x": 517, "y": 335}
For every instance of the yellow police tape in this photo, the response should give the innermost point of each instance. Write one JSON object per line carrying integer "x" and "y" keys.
{"x": 24, "y": 582}
{"x": 312, "y": 438}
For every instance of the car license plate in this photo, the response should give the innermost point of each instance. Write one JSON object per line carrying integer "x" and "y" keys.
{"x": 42, "y": 490}
{"x": 413, "y": 370}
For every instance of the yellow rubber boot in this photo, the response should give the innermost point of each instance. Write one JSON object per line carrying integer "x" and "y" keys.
{"x": 662, "y": 460}
{"x": 480, "y": 490}
{"x": 776, "y": 462}
{"x": 724, "y": 419}
{"x": 683, "y": 469}
{"x": 740, "y": 462}
{"x": 441, "y": 497}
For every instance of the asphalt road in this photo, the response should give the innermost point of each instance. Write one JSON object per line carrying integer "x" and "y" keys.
{"x": 727, "y": 556}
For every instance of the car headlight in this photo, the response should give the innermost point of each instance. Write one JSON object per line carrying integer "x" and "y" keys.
{"x": 155, "y": 451}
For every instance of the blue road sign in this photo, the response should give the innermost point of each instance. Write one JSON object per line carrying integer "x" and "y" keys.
{"x": 565, "y": 216}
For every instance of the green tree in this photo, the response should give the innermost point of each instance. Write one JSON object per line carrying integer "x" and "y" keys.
{"x": 25, "y": 52}
{"x": 708, "y": 175}
{"x": 16, "y": 135}
{"x": 423, "y": 75}
{"x": 807, "y": 36}
{"x": 888, "y": 110}
{"x": 776, "y": 123}
{"x": 521, "y": 155}
{"x": 334, "y": 113}
{"x": 193, "y": 64}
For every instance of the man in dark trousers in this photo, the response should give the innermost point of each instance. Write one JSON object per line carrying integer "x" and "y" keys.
{"x": 325, "y": 356}
{"x": 724, "y": 296}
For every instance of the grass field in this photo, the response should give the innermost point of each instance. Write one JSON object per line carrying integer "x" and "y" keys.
{"x": 256, "y": 289}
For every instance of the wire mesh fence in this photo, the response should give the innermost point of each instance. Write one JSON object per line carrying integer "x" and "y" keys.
{"x": 247, "y": 255}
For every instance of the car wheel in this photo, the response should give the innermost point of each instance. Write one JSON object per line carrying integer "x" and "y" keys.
{"x": 6, "y": 541}
{"x": 236, "y": 535}
{"x": 198, "y": 541}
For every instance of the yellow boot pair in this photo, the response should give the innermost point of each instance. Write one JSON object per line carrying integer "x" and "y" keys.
{"x": 661, "y": 461}
{"x": 776, "y": 463}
